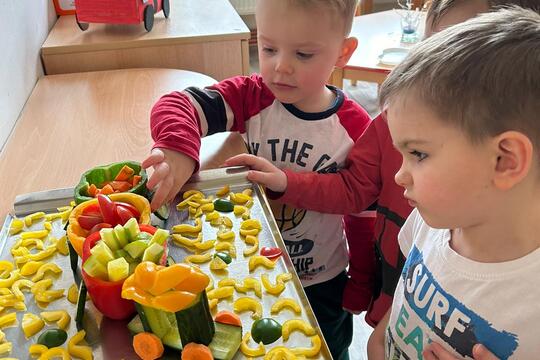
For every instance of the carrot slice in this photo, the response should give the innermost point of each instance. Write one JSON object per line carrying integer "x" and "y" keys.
{"x": 148, "y": 346}
{"x": 227, "y": 317}
{"x": 121, "y": 186}
{"x": 194, "y": 351}
{"x": 107, "y": 189}
{"x": 125, "y": 173}
{"x": 136, "y": 180}
{"x": 92, "y": 189}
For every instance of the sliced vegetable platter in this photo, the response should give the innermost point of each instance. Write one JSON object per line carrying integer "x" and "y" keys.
{"x": 244, "y": 287}
{"x": 240, "y": 274}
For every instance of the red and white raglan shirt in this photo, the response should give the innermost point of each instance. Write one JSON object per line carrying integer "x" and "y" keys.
{"x": 284, "y": 135}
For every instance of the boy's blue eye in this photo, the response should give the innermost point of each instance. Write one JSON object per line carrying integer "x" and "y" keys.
{"x": 268, "y": 50}
{"x": 420, "y": 155}
{"x": 304, "y": 56}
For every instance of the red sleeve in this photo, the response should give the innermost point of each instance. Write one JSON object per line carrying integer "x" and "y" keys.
{"x": 350, "y": 190}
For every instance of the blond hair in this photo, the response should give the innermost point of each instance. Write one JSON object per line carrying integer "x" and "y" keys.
{"x": 342, "y": 9}
{"x": 482, "y": 75}
{"x": 438, "y": 8}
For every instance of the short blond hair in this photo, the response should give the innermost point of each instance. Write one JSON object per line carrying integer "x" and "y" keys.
{"x": 342, "y": 9}
{"x": 481, "y": 75}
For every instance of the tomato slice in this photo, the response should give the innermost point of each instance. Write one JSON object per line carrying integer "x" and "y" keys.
{"x": 136, "y": 213}
{"x": 108, "y": 209}
{"x": 98, "y": 227}
{"x": 87, "y": 222}
{"x": 92, "y": 210}
{"x": 271, "y": 252}
{"x": 124, "y": 214}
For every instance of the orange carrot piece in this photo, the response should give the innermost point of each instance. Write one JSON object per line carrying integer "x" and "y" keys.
{"x": 148, "y": 346}
{"x": 194, "y": 351}
{"x": 121, "y": 186}
{"x": 92, "y": 189}
{"x": 228, "y": 317}
{"x": 125, "y": 173}
{"x": 136, "y": 180}
{"x": 107, "y": 189}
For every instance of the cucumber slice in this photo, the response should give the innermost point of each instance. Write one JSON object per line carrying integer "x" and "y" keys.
{"x": 160, "y": 236}
{"x": 120, "y": 234}
{"x": 107, "y": 235}
{"x": 153, "y": 253}
{"x": 135, "y": 325}
{"x": 161, "y": 323}
{"x": 118, "y": 269}
{"x": 102, "y": 252}
{"x": 144, "y": 236}
{"x": 131, "y": 228}
{"x": 226, "y": 341}
{"x": 95, "y": 268}
{"x": 136, "y": 249}
{"x": 163, "y": 212}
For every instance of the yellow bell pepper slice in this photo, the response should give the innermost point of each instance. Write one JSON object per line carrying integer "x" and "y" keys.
{"x": 73, "y": 294}
{"x": 221, "y": 293}
{"x": 61, "y": 317}
{"x": 40, "y": 234}
{"x": 238, "y": 210}
{"x": 36, "y": 350}
{"x": 212, "y": 216}
{"x": 223, "y": 191}
{"x": 47, "y": 226}
{"x": 251, "y": 352}
{"x": 31, "y": 324}
{"x": 199, "y": 258}
{"x": 5, "y": 348}
{"x": 251, "y": 224}
{"x": 286, "y": 303}
{"x": 32, "y": 243}
{"x": 49, "y": 251}
{"x": 258, "y": 260}
{"x": 55, "y": 352}
{"x": 271, "y": 288}
{"x": 252, "y": 232}
{"x": 254, "y": 242}
{"x": 250, "y": 283}
{"x": 284, "y": 277}
{"x": 292, "y": 325}
{"x": 212, "y": 303}
{"x": 52, "y": 267}
{"x": 13, "y": 276}
{"x": 239, "y": 198}
{"x": 31, "y": 267}
{"x": 226, "y": 235}
{"x": 30, "y": 219}
{"x": 248, "y": 304}
{"x": 186, "y": 228}
{"x": 206, "y": 208}
{"x": 280, "y": 353}
{"x": 225, "y": 220}
{"x": 17, "y": 285}
{"x": 229, "y": 247}
{"x": 217, "y": 263}
{"x": 6, "y": 266}
{"x": 193, "y": 193}
{"x": 203, "y": 246}
{"x": 226, "y": 282}
{"x": 62, "y": 246}
{"x": 16, "y": 226}
{"x": 41, "y": 286}
{"x": 310, "y": 352}
{"x": 49, "y": 296}
{"x": 8, "y": 320}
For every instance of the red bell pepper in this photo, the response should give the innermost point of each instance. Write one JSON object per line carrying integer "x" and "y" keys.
{"x": 106, "y": 295}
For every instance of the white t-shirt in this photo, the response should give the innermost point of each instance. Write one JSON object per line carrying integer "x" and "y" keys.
{"x": 456, "y": 302}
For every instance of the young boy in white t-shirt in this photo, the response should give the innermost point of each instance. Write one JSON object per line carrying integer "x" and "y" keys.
{"x": 463, "y": 111}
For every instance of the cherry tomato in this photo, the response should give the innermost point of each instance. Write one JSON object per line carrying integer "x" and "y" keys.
{"x": 271, "y": 252}
{"x": 92, "y": 210}
{"x": 136, "y": 213}
{"x": 98, "y": 227}
{"x": 87, "y": 222}
{"x": 108, "y": 209}
{"x": 124, "y": 214}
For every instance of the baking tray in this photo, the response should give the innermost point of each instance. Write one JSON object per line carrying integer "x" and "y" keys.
{"x": 110, "y": 339}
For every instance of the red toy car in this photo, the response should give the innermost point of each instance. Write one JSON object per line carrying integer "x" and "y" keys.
{"x": 119, "y": 12}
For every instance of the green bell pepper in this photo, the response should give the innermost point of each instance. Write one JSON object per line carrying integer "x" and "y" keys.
{"x": 100, "y": 174}
{"x": 266, "y": 330}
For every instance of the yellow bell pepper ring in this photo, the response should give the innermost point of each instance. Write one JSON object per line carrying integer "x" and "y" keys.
{"x": 248, "y": 304}
{"x": 248, "y": 351}
{"x": 292, "y": 325}
{"x": 286, "y": 303}
{"x": 310, "y": 352}
{"x": 258, "y": 260}
{"x": 76, "y": 234}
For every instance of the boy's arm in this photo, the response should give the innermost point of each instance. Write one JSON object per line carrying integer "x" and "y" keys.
{"x": 375, "y": 346}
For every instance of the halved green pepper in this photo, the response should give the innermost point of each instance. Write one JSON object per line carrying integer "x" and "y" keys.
{"x": 100, "y": 174}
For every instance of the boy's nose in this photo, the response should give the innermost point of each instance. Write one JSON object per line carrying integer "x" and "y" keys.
{"x": 283, "y": 65}
{"x": 403, "y": 177}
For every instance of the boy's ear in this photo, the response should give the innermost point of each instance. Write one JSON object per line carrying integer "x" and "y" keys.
{"x": 514, "y": 159}
{"x": 347, "y": 49}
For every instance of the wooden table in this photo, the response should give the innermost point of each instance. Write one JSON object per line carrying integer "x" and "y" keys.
{"x": 205, "y": 36}
{"x": 375, "y": 32}
{"x": 73, "y": 122}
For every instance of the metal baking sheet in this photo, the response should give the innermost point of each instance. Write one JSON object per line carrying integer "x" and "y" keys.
{"x": 110, "y": 339}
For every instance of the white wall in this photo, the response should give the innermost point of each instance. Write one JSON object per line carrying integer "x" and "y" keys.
{"x": 24, "y": 25}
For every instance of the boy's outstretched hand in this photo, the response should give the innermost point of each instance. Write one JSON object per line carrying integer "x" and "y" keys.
{"x": 263, "y": 171}
{"x": 435, "y": 351}
{"x": 171, "y": 170}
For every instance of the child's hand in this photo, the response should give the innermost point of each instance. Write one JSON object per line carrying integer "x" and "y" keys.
{"x": 171, "y": 170}
{"x": 264, "y": 172}
{"x": 435, "y": 351}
